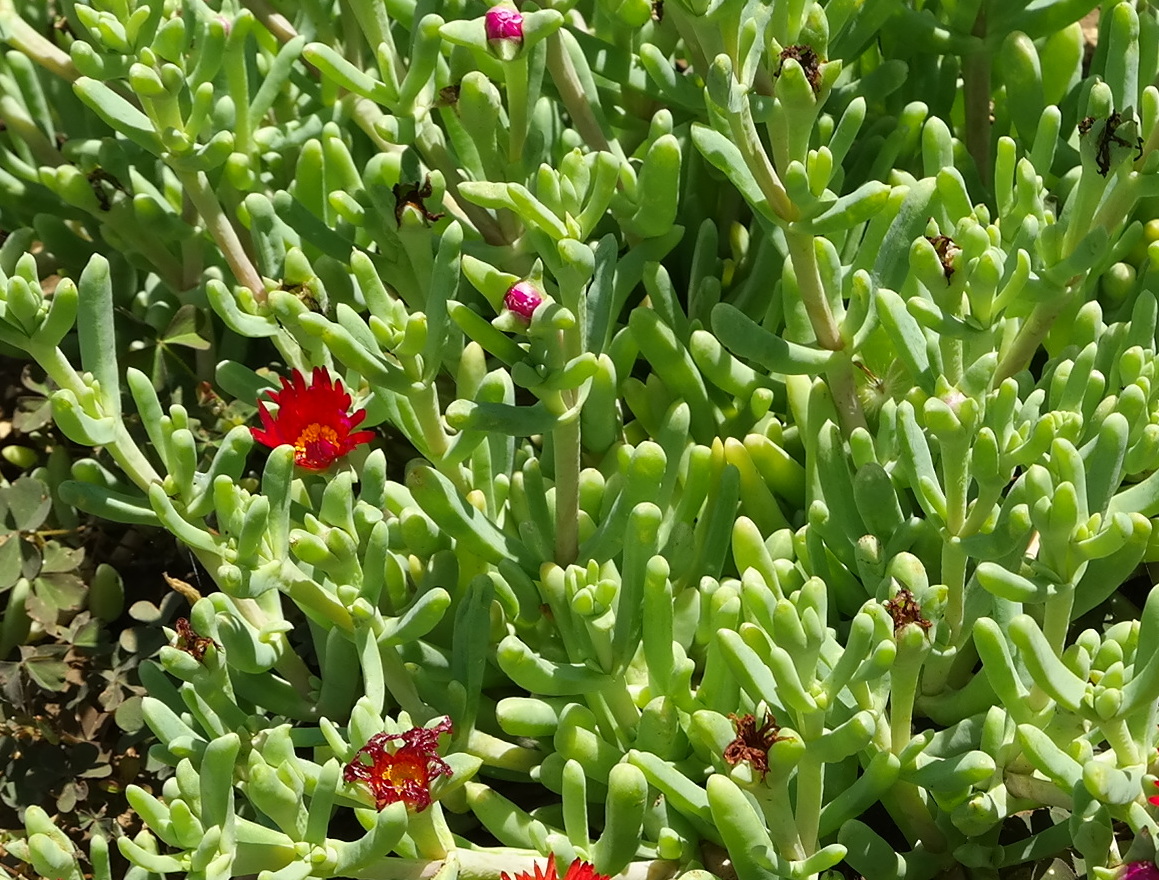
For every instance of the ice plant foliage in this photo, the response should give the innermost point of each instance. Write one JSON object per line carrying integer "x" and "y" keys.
{"x": 523, "y": 299}
{"x": 819, "y": 334}
{"x": 404, "y": 774}
{"x": 577, "y": 870}
{"x": 312, "y": 418}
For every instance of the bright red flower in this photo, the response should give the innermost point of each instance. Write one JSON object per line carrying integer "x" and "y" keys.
{"x": 405, "y": 774}
{"x": 578, "y": 870}
{"x": 313, "y": 419}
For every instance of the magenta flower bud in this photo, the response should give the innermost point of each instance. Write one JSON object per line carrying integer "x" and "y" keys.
{"x": 1140, "y": 871}
{"x": 501, "y": 23}
{"x": 523, "y": 299}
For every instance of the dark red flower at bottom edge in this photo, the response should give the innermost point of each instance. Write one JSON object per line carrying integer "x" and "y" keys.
{"x": 577, "y": 870}
{"x": 313, "y": 419}
{"x": 404, "y": 774}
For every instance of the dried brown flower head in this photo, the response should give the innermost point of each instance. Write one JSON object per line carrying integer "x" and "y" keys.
{"x": 946, "y": 250}
{"x": 413, "y": 194}
{"x": 190, "y": 642}
{"x": 904, "y": 609}
{"x": 752, "y": 743}
{"x": 809, "y": 61}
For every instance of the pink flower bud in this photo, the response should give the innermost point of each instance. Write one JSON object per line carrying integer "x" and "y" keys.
{"x": 502, "y": 23}
{"x": 523, "y": 299}
{"x": 1140, "y": 871}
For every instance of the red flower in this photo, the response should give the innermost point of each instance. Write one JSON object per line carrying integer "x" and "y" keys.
{"x": 523, "y": 299}
{"x": 313, "y": 419}
{"x": 404, "y": 775}
{"x": 578, "y": 870}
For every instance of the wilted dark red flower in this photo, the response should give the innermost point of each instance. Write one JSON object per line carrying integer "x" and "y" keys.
{"x": 752, "y": 743}
{"x": 404, "y": 774}
{"x": 313, "y": 419}
{"x": 577, "y": 870}
{"x": 523, "y": 299}
{"x": 501, "y": 23}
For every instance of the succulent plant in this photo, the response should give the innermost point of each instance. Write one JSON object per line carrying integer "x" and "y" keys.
{"x": 782, "y": 449}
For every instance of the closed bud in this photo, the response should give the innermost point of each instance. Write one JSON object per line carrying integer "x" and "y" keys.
{"x": 522, "y": 299}
{"x": 504, "y": 28}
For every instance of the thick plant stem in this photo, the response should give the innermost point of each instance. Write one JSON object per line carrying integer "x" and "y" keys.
{"x": 1033, "y": 332}
{"x": 810, "y": 785}
{"x": 903, "y": 689}
{"x": 222, "y": 231}
{"x": 1121, "y": 741}
{"x": 424, "y": 400}
{"x": 22, "y": 37}
{"x": 566, "y": 449}
{"x": 372, "y": 18}
{"x": 956, "y": 475}
{"x": 803, "y": 256}
{"x": 567, "y": 460}
{"x": 1056, "y": 619}
{"x": 123, "y": 449}
{"x": 516, "y": 73}
{"x": 400, "y": 685}
{"x": 976, "y": 87}
{"x": 571, "y": 92}
{"x": 276, "y": 23}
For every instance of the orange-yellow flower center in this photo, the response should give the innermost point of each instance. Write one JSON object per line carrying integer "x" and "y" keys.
{"x": 403, "y": 767}
{"x": 313, "y": 434}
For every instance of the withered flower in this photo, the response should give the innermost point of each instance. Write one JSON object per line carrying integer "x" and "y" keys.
{"x": 190, "y": 642}
{"x": 809, "y": 61}
{"x": 904, "y": 609}
{"x": 946, "y": 250}
{"x": 752, "y": 743}
{"x": 413, "y": 195}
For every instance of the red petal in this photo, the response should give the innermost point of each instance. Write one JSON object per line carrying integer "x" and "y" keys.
{"x": 302, "y": 408}
{"x": 581, "y": 870}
